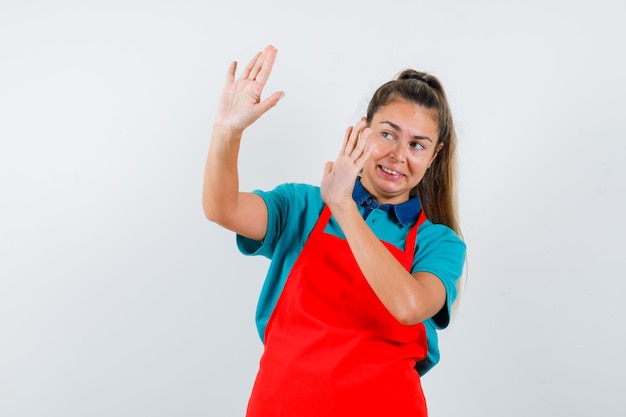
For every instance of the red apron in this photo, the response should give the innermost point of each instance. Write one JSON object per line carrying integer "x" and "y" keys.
{"x": 332, "y": 349}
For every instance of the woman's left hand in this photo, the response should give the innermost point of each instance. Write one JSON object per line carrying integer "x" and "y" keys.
{"x": 339, "y": 177}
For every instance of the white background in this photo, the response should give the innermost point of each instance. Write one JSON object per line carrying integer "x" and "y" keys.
{"x": 118, "y": 299}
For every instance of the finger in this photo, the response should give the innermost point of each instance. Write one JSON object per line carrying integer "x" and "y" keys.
{"x": 230, "y": 74}
{"x": 352, "y": 148}
{"x": 346, "y": 138}
{"x": 265, "y": 69}
{"x": 369, "y": 149}
{"x": 268, "y": 54}
{"x": 349, "y": 146}
{"x": 257, "y": 67}
{"x": 361, "y": 145}
{"x": 246, "y": 72}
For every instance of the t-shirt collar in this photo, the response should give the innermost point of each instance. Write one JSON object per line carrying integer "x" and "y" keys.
{"x": 406, "y": 212}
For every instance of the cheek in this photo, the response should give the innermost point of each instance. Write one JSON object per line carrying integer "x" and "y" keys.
{"x": 420, "y": 161}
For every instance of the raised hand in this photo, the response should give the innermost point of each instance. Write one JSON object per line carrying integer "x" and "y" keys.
{"x": 339, "y": 177}
{"x": 240, "y": 103}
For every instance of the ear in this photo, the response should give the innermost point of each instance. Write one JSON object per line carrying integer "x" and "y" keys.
{"x": 364, "y": 119}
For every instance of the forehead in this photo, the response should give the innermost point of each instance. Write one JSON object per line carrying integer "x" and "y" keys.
{"x": 406, "y": 115}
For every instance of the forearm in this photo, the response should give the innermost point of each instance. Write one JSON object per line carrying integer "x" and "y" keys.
{"x": 221, "y": 177}
{"x": 405, "y": 296}
{"x": 241, "y": 212}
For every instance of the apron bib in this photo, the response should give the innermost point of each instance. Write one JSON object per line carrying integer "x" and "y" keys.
{"x": 331, "y": 347}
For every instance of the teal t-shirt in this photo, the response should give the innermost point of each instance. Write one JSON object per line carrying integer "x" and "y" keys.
{"x": 293, "y": 210}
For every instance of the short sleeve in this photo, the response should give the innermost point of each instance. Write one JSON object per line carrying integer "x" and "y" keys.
{"x": 440, "y": 252}
{"x": 277, "y": 202}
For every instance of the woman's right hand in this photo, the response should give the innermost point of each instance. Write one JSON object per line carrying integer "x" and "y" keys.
{"x": 240, "y": 103}
{"x": 239, "y": 106}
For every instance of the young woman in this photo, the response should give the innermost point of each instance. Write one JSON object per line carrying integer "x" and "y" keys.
{"x": 364, "y": 267}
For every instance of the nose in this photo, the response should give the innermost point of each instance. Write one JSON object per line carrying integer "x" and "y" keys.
{"x": 398, "y": 152}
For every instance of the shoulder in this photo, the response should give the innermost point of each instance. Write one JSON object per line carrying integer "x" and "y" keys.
{"x": 433, "y": 234}
{"x": 293, "y": 209}
{"x": 438, "y": 248}
{"x": 290, "y": 194}
{"x": 290, "y": 200}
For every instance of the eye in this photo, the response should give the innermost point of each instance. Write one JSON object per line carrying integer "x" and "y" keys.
{"x": 387, "y": 135}
{"x": 416, "y": 145}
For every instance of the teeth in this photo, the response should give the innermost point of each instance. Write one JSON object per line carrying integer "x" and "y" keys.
{"x": 389, "y": 171}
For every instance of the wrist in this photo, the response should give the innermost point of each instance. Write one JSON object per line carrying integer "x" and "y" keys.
{"x": 343, "y": 209}
{"x": 225, "y": 130}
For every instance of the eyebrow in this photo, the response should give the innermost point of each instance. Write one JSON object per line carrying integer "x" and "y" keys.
{"x": 396, "y": 127}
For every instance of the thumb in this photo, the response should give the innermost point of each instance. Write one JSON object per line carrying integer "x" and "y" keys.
{"x": 271, "y": 101}
{"x": 328, "y": 167}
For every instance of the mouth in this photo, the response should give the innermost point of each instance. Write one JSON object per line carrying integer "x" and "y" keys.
{"x": 389, "y": 171}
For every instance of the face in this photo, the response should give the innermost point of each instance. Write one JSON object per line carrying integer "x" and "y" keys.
{"x": 405, "y": 135}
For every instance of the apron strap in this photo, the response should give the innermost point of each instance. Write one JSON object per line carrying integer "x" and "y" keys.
{"x": 322, "y": 220}
{"x": 409, "y": 246}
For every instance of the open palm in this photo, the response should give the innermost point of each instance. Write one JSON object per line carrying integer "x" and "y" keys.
{"x": 240, "y": 103}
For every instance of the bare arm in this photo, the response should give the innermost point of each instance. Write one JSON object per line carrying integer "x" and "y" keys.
{"x": 411, "y": 299}
{"x": 239, "y": 106}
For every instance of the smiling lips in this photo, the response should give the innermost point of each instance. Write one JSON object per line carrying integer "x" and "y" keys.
{"x": 389, "y": 171}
